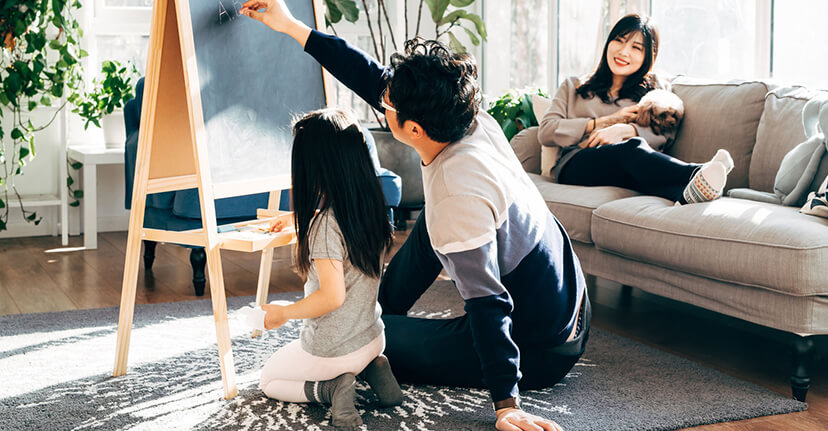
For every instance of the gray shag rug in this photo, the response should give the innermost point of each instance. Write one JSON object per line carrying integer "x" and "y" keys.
{"x": 55, "y": 374}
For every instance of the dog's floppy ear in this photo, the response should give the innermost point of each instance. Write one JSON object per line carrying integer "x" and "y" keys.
{"x": 645, "y": 113}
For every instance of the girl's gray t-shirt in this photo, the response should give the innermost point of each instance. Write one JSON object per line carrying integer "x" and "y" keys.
{"x": 357, "y": 322}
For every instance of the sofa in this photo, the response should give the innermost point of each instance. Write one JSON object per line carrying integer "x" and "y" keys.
{"x": 758, "y": 261}
{"x": 181, "y": 210}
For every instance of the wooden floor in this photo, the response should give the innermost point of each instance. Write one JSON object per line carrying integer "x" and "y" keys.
{"x": 38, "y": 275}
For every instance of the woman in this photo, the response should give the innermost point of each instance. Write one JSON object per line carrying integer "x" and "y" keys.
{"x": 592, "y": 125}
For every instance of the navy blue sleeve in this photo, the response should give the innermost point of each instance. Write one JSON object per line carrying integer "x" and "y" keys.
{"x": 350, "y": 66}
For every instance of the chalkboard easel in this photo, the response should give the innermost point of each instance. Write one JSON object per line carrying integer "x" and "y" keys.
{"x": 173, "y": 155}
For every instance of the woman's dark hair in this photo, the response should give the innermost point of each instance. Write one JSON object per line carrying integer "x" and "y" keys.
{"x": 332, "y": 169}
{"x": 640, "y": 82}
{"x": 435, "y": 88}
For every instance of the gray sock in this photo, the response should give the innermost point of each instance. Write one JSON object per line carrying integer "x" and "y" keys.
{"x": 379, "y": 376}
{"x": 340, "y": 393}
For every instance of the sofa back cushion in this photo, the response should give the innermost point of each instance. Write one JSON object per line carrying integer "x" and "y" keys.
{"x": 719, "y": 115}
{"x": 779, "y": 131}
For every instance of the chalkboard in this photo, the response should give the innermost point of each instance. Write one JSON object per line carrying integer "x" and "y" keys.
{"x": 253, "y": 82}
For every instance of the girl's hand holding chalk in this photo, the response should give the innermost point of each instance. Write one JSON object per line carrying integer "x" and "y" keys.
{"x": 275, "y": 316}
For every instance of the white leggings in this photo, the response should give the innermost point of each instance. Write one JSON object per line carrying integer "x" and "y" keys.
{"x": 285, "y": 373}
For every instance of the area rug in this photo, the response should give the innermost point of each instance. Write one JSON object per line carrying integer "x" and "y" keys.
{"x": 55, "y": 375}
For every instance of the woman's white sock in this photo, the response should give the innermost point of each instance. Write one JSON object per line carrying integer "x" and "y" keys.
{"x": 253, "y": 317}
{"x": 709, "y": 181}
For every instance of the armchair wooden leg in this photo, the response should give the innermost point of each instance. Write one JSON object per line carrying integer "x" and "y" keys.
{"x": 149, "y": 254}
{"x": 198, "y": 259}
{"x": 800, "y": 379}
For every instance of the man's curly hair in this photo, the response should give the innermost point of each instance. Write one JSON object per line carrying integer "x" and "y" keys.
{"x": 435, "y": 88}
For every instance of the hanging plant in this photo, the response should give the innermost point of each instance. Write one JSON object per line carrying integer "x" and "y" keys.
{"x": 39, "y": 66}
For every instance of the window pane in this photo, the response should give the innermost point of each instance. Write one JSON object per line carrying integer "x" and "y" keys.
{"x": 717, "y": 39}
{"x": 128, "y": 3}
{"x": 799, "y": 38}
{"x": 530, "y": 43}
{"x": 582, "y": 26}
{"x": 123, "y": 48}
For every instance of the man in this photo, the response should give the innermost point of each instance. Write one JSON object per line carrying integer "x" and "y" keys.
{"x": 484, "y": 222}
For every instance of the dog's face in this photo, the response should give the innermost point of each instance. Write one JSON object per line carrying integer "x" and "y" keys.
{"x": 661, "y": 111}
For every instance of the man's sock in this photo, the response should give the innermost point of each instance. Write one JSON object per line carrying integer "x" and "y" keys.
{"x": 340, "y": 393}
{"x": 379, "y": 376}
{"x": 709, "y": 181}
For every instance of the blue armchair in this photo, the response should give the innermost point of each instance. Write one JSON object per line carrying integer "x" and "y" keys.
{"x": 180, "y": 210}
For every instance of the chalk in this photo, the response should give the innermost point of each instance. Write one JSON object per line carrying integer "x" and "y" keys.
{"x": 227, "y": 228}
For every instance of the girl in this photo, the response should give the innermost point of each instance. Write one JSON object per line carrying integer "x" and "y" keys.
{"x": 340, "y": 249}
{"x": 597, "y": 143}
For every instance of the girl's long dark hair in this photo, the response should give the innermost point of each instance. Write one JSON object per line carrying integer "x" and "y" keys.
{"x": 332, "y": 169}
{"x": 640, "y": 82}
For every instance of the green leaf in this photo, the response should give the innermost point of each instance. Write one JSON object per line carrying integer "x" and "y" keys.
{"x": 55, "y": 44}
{"x": 524, "y": 121}
{"x": 16, "y": 133}
{"x": 46, "y": 100}
{"x": 2, "y": 225}
{"x": 31, "y": 217}
{"x": 473, "y": 37}
{"x": 509, "y": 129}
{"x": 479, "y": 25}
{"x": 24, "y": 151}
{"x": 32, "y": 105}
{"x": 69, "y": 181}
{"x": 437, "y": 8}
{"x": 349, "y": 9}
{"x": 74, "y": 204}
{"x": 82, "y": 53}
{"x": 332, "y": 12}
{"x": 76, "y": 165}
{"x": 453, "y": 16}
{"x": 455, "y": 44}
{"x": 4, "y": 99}
{"x": 461, "y": 3}
{"x": 77, "y": 194}
{"x": 2, "y": 203}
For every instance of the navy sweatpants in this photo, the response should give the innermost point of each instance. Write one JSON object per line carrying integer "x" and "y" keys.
{"x": 441, "y": 351}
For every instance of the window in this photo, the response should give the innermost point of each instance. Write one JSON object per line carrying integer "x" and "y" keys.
{"x": 799, "y": 41}
{"x": 713, "y": 38}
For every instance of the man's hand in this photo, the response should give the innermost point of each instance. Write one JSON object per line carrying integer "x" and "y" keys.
{"x": 276, "y": 15}
{"x": 610, "y": 135}
{"x": 512, "y": 419}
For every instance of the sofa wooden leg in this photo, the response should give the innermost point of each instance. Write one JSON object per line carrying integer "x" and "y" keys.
{"x": 149, "y": 254}
{"x": 800, "y": 379}
{"x": 198, "y": 259}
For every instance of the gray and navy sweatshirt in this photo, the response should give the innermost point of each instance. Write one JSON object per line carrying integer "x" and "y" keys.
{"x": 508, "y": 256}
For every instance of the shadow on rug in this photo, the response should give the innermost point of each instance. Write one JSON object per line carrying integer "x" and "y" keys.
{"x": 56, "y": 375}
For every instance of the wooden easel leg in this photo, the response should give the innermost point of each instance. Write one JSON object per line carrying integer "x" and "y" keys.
{"x": 133, "y": 255}
{"x": 228, "y": 369}
{"x": 264, "y": 282}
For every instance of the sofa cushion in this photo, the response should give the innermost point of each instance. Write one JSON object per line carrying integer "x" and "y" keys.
{"x": 780, "y": 130}
{"x": 527, "y": 149}
{"x": 719, "y": 115}
{"x": 573, "y": 205}
{"x": 733, "y": 240}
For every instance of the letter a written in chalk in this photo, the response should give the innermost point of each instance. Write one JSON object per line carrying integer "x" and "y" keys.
{"x": 223, "y": 12}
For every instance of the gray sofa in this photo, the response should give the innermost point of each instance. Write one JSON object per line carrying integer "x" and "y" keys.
{"x": 760, "y": 262}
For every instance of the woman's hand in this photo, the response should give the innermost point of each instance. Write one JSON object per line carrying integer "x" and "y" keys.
{"x": 510, "y": 419}
{"x": 276, "y": 16}
{"x": 275, "y": 317}
{"x": 623, "y": 115}
{"x": 610, "y": 135}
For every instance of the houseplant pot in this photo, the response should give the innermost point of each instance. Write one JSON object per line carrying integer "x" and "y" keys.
{"x": 113, "y": 129}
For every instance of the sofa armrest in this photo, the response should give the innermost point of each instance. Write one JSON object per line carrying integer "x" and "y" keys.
{"x": 527, "y": 148}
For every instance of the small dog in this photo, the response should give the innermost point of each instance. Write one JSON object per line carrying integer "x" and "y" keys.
{"x": 661, "y": 111}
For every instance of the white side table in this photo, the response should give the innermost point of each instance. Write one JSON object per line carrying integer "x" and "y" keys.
{"x": 91, "y": 157}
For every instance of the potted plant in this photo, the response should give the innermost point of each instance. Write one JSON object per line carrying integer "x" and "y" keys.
{"x": 513, "y": 110}
{"x": 450, "y": 18}
{"x": 39, "y": 53}
{"x": 103, "y": 104}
